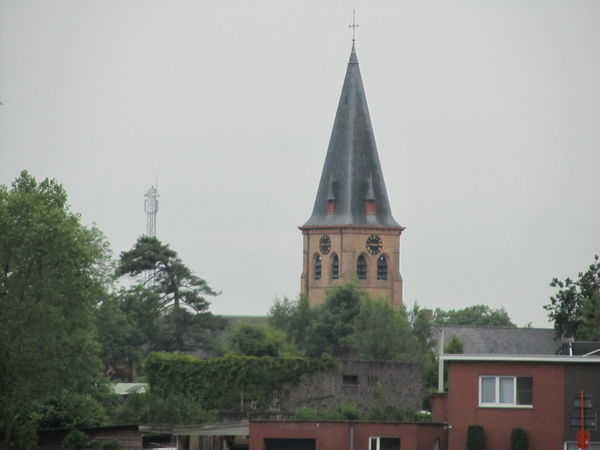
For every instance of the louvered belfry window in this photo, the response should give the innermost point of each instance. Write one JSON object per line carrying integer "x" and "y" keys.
{"x": 335, "y": 267}
{"x": 318, "y": 268}
{"x": 361, "y": 268}
{"x": 382, "y": 268}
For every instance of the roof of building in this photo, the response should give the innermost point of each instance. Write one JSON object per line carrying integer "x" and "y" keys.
{"x": 522, "y": 358}
{"x": 352, "y": 173}
{"x": 502, "y": 340}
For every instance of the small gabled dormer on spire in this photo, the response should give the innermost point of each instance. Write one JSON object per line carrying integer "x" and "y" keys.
{"x": 370, "y": 198}
{"x": 330, "y": 198}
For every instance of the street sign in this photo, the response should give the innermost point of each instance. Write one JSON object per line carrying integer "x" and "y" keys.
{"x": 587, "y": 401}
{"x": 590, "y": 421}
{"x": 583, "y": 440}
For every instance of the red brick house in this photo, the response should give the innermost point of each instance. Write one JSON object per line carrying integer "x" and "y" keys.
{"x": 501, "y": 392}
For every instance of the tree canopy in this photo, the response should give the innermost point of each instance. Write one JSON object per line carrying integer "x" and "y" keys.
{"x": 481, "y": 315}
{"x": 51, "y": 279}
{"x": 182, "y": 293}
{"x": 575, "y": 308}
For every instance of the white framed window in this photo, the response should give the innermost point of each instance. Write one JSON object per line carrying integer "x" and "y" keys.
{"x": 505, "y": 391}
{"x": 384, "y": 443}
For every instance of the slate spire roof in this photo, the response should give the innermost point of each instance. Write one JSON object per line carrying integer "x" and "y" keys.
{"x": 352, "y": 173}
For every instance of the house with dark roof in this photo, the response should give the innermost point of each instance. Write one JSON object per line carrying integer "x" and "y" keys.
{"x": 502, "y": 392}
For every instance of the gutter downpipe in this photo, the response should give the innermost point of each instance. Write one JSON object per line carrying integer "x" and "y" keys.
{"x": 440, "y": 362}
{"x": 351, "y": 436}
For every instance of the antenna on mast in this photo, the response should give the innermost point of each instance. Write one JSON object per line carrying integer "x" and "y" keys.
{"x": 151, "y": 208}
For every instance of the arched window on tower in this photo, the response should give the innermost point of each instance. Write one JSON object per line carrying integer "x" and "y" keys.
{"x": 361, "y": 268}
{"x": 318, "y": 268}
{"x": 382, "y": 268}
{"x": 335, "y": 267}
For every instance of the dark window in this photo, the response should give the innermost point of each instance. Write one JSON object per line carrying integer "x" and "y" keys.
{"x": 524, "y": 391}
{"x": 318, "y": 268}
{"x": 361, "y": 268}
{"x": 290, "y": 444}
{"x": 335, "y": 267}
{"x": 381, "y": 268}
{"x": 350, "y": 379}
{"x": 384, "y": 443}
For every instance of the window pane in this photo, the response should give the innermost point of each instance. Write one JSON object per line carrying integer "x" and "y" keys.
{"x": 488, "y": 390}
{"x": 524, "y": 391}
{"x": 389, "y": 443}
{"x": 507, "y": 387}
{"x": 373, "y": 444}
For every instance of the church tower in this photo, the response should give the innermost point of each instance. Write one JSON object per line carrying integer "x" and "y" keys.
{"x": 351, "y": 232}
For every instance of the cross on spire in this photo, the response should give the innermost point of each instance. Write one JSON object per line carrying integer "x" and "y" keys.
{"x": 354, "y": 25}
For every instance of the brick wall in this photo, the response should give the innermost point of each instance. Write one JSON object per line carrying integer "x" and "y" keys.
{"x": 401, "y": 383}
{"x": 543, "y": 422}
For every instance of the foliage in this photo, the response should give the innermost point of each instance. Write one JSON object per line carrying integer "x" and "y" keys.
{"x": 343, "y": 411}
{"x": 111, "y": 445}
{"x": 475, "y": 439}
{"x": 182, "y": 294}
{"x": 381, "y": 411}
{"x": 518, "y": 439}
{"x": 259, "y": 340}
{"x": 382, "y": 333}
{"x": 306, "y": 413}
{"x": 479, "y": 315}
{"x": 421, "y": 325}
{"x": 348, "y": 410}
{"x": 76, "y": 440}
{"x": 293, "y": 317}
{"x": 575, "y": 308}
{"x": 51, "y": 278}
{"x": 222, "y": 383}
{"x": 334, "y": 319}
{"x": 455, "y": 346}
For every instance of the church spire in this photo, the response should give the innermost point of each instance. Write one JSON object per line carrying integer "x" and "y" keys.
{"x": 353, "y": 162}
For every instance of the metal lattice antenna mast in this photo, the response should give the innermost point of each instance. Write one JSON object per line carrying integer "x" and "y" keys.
{"x": 151, "y": 208}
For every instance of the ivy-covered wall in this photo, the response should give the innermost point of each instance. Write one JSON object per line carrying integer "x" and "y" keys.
{"x": 228, "y": 382}
{"x": 241, "y": 383}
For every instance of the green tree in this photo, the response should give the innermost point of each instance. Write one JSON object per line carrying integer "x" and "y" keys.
{"x": 455, "y": 346}
{"x": 293, "y": 317}
{"x": 334, "y": 319}
{"x": 183, "y": 294}
{"x": 422, "y": 325}
{"x": 382, "y": 333}
{"x": 51, "y": 279}
{"x": 480, "y": 315}
{"x": 259, "y": 340}
{"x": 575, "y": 308}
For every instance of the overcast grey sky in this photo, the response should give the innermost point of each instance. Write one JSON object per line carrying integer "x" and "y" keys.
{"x": 486, "y": 115}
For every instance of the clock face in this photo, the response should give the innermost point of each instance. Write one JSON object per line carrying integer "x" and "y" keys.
{"x": 374, "y": 244}
{"x": 325, "y": 244}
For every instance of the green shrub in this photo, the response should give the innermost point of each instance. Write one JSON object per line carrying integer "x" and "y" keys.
{"x": 111, "y": 445}
{"x": 475, "y": 439}
{"x": 306, "y": 413}
{"x": 518, "y": 439}
{"x": 349, "y": 411}
{"x": 76, "y": 440}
